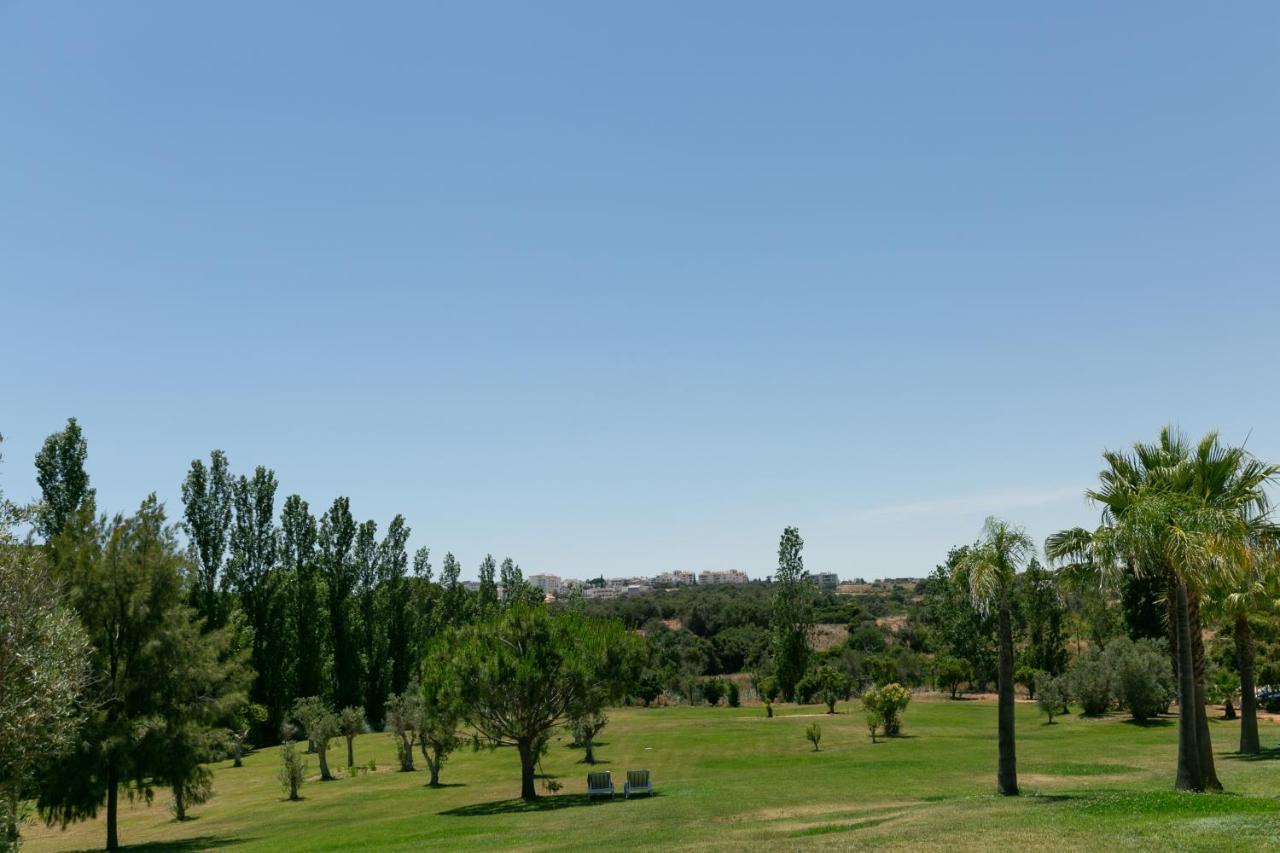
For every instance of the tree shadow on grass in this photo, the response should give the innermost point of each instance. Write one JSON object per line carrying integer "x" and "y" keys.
{"x": 541, "y": 804}
{"x": 188, "y": 845}
{"x": 445, "y": 785}
{"x": 1272, "y": 754}
{"x": 1153, "y": 723}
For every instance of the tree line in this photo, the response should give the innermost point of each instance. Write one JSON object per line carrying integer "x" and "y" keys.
{"x": 135, "y": 650}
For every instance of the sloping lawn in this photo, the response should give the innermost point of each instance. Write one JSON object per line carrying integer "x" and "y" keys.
{"x": 729, "y": 778}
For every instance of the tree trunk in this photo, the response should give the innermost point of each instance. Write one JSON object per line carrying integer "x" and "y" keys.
{"x": 179, "y": 803}
{"x": 11, "y": 819}
{"x": 1248, "y": 696}
{"x": 351, "y": 755}
{"x": 1228, "y": 709}
{"x": 1189, "y": 776}
{"x": 527, "y": 791}
{"x": 1203, "y": 741}
{"x": 236, "y": 752}
{"x": 434, "y": 767}
{"x": 113, "y": 838}
{"x": 591, "y": 755}
{"x": 1007, "y": 771}
{"x": 325, "y": 776}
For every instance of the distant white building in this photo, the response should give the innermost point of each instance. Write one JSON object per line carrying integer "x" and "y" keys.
{"x": 722, "y": 576}
{"x": 623, "y": 583}
{"x": 676, "y": 578}
{"x": 549, "y": 584}
{"x": 471, "y": 586}
{"x": 825, "y": 580}
{"x": 602, "y": 592}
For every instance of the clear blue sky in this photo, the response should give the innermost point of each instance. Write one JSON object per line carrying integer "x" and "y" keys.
{"x": 621, "y": 290}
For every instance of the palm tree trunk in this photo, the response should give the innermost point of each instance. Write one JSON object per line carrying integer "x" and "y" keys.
{"x": 1189, "y": 776}
{"x": 1203, "y": 741}
{"x": 1007, "y": 770}
{"x": 1248, "y": 697}
{"x": 1171, "y": 620}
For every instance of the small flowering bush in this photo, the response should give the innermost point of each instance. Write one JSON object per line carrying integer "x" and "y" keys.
{"x": 889, "y": 702}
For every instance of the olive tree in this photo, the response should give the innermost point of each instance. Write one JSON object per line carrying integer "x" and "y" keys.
{"x": 293, "y": 767}
{"x": 442, "y": 711}
{"x": 403, "y": 712}
{"x": 351, "y": 723}
{"x": 44, "y": 671}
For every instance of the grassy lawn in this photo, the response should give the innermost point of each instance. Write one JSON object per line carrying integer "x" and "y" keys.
{"x": 730, "y": 778}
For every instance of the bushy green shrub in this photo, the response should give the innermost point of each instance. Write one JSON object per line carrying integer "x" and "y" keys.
{"x": 647, "y": 687}
{"x": 951, "y": 673}
{"x": 733, "y": 694}
{"x": 1090, "y": 682}
{"x": 828, "y": 684}
{"x": 889, "y": 701}
{"x": 1053, "y": 695}
{"x": 769, "y": 688}
{"x": 1027, "y": 676}
{"x": 1141, "y": 678}
{"x": 713, "y": 691}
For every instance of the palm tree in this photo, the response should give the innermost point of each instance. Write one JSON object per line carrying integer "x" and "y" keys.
{"x": 990, "y": 567}
{"x": 1187, "y": 514}
{"x": 1256, "y": 591}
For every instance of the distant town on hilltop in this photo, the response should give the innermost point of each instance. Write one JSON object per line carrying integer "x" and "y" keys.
{"x": 555, "y": 587}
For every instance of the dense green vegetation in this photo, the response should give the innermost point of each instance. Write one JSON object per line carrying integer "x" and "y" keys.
{"x": 159, "y": 650}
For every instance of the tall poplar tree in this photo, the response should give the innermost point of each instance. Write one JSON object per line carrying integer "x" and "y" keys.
{"x": 207, "y": 498}
{"x": 251, "y": 576}
{"x": 399, "y": 616}
{"x": 488, "y": 595}
{"x": 63, "y": 481}
{"x": 792, "y": 619}
{"x": 454, "y": 606}
{"x": 373, "y": 637}
{"x": 338, "y": 567}
{"x": 298, "y": 537}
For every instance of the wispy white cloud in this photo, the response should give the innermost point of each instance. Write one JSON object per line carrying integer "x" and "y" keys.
{"x": 979, "y": 502}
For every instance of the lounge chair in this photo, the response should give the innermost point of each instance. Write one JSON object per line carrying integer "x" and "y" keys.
{"x": 599, "y": 782}
{"x": 638, "y": 782}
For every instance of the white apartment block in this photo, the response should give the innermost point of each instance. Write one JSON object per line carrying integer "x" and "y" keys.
{"x": 722, "y": 576}
{"x": 549, "y": 584}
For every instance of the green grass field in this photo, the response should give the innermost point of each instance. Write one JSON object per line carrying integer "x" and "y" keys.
{"x": 729, "y": 778}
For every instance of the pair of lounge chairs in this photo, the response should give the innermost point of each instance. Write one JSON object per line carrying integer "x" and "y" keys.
{"x": 601, "y": 783}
